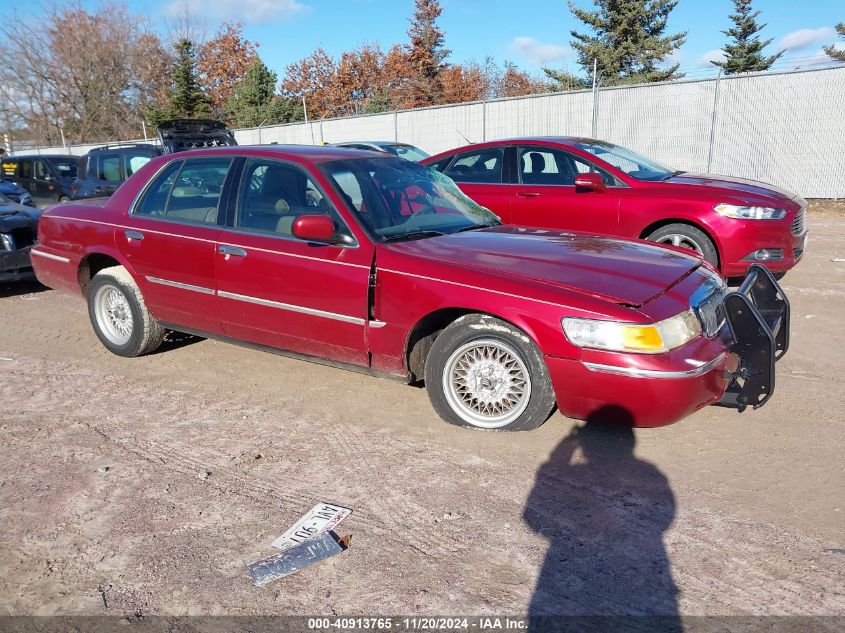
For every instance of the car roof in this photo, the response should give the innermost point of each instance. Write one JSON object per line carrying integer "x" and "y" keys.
{"x": 376, "y": 143}
{"x": 557, "y": 140}
{"x": 47, "y": 156}
{"x": 312, "y": 153}
{"x": 118, "y": 147}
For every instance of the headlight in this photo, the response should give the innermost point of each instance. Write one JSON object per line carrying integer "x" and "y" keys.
{"x": 6, "y": 242}
{"x": 631, "y": 337}
{"x": 749, "y": 213}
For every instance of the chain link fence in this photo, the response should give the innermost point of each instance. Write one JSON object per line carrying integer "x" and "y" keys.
{"x": 787, "y": 128}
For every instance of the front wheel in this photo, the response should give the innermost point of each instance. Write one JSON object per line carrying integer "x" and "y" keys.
{"x": 484, "y": 373}
{"x": 119, "y": 315}
{"x": 689, "y": 237}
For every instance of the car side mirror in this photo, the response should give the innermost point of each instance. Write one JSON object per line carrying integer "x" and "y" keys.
{"x": 315, "y": 228}
{"x": 589, "y": 182}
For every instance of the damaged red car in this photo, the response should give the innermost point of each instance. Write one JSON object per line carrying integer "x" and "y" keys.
{"x": 380, "y": 265}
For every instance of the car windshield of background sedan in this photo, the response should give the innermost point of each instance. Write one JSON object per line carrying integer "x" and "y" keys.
{"x": 631, "y": 163}
{"x": 408, "y": 152}
{"x": 397, "y": 200}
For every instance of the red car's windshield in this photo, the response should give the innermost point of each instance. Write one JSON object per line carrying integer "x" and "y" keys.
{"x": 636, "y": 166}
{"x": 396, "y": 199}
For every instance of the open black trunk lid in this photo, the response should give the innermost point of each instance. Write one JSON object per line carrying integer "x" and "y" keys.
{"x": 179, "y": 135}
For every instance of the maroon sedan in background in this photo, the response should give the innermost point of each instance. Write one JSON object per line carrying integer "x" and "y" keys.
{"x": 580, "y": 184}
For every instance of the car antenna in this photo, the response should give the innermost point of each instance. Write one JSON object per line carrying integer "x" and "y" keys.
{"x": 469, "y": 142}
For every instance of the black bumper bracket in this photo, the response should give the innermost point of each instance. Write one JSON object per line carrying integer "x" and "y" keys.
{"x": 758, "y": 316}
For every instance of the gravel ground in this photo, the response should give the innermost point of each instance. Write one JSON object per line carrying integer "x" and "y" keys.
{"x": 145, "y": 486}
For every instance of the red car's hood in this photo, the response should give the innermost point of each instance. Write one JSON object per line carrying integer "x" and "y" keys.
{"x": 736, "y": 185}
{"x": 621, "y": 271}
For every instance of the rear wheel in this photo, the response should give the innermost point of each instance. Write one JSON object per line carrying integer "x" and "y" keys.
{"x": 689, "y": 237}
{"x": 484, "y": 373}
{"x": 119, "y": 315}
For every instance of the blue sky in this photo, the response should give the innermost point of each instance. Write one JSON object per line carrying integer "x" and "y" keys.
{"x": 528, "y": 32}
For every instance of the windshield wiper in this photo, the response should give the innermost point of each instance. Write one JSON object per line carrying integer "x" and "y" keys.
{"x": 412, "y": 235}
{"x": 473, "y": 227}
{"x": 672, "y": 175}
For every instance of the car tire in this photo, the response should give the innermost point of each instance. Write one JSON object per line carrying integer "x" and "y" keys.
{"x": 119, "y": 315}
{"x": 484, "y": 373}
{"x": 687, "y": 236}
{"x": 63, "y": 199}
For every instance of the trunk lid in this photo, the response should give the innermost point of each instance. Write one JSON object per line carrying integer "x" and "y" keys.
{"x": 179, "y": 135}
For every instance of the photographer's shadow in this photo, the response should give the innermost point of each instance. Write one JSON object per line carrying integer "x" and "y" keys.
{"x": 604, "y": 512}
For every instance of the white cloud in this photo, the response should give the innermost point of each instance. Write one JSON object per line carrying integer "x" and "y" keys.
{"x": 537, "y": 52}
{"x": 246, "y": 11}
{"x": 675, "y": 57}
{"x": 804, "y": 38}
{"x": 818, "y": 60}
{"x": 707, "y": 59}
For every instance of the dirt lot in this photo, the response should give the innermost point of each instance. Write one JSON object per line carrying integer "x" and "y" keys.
{"x": 146, "y": 485}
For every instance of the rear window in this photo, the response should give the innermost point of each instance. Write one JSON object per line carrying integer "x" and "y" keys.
{"x": 64, "y": 167}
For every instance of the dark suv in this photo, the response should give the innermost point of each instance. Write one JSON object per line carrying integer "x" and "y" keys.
{"x": 103, "y": 169}
{"x": 47, "y": 178}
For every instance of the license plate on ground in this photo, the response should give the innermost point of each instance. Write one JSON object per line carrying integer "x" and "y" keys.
{"x": 321, "y": 518}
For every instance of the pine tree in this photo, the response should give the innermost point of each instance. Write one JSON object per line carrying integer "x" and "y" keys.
{"x": 832, "y": 51}
{"x": 628, "y": 42}
{"x": 426, "y": 53}
{"x": 187, "y": 99}
{"x": 255, "y": 101}
{"x": 744, "y": 54}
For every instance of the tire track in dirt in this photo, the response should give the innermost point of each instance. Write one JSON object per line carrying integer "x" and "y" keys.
{"x": 747, "y": 577}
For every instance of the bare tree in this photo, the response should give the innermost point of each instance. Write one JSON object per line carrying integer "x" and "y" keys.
{"x": 87, "y": 74}
{"x": 186, "y": 24}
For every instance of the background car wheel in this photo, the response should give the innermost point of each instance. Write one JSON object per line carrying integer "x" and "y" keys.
{"x": 119, "y": 316}
{"x": 687, "y": 236}
{"x": 484, "y": 373}
{"x": 63, "y": 199}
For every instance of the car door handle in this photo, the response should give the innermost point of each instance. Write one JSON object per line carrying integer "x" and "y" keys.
{"x": 231, "y": 250}
{"x": 133, "y": 235}
{"x": 527, "y": 194}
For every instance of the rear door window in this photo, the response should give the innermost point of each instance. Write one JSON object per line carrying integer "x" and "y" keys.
{"x": 40, "y": 170}
{"x": 108, "y": 167}
{"x": 187, "y": 190}
{"x": 481, "y": 166}
{"x": 25, "y": 169}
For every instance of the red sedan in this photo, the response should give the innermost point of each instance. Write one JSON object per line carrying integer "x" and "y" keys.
{"x": 381, "y": 265}
{"x": 579, "y": 184}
